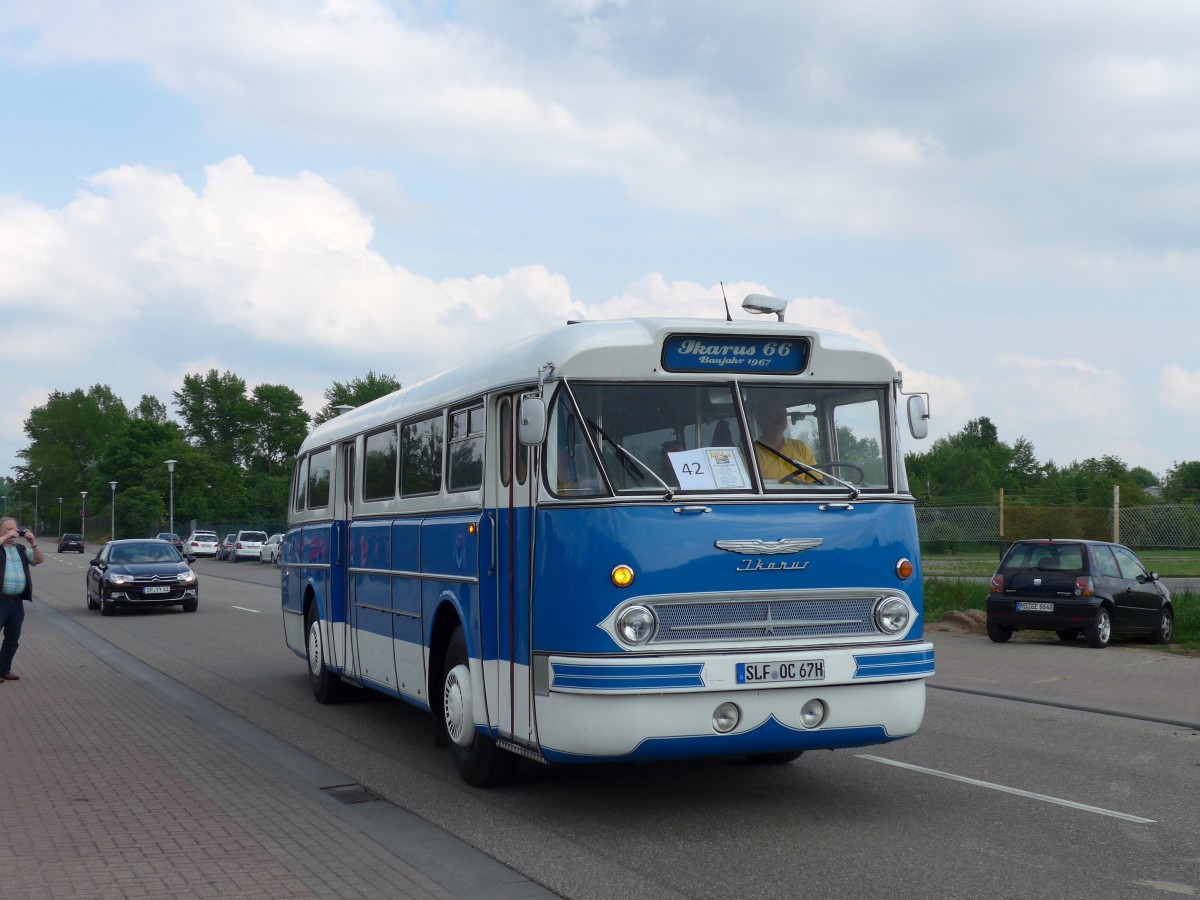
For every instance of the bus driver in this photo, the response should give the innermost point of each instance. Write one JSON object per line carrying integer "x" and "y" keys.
{"x": 771, "y": 417}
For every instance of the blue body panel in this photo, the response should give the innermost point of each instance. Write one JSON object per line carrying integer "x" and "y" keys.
{"x": 767, "y": 738}
{"x": 672, "y": 554}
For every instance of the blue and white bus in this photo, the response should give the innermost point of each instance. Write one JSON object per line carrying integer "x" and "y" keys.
{"x": 635, "y": 540}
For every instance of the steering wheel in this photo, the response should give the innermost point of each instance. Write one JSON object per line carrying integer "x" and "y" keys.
{"x": 838, "y": 464}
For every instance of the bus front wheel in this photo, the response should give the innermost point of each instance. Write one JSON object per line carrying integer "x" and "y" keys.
{"x": 478, "y": 760}
{"x": 326, "y": 686}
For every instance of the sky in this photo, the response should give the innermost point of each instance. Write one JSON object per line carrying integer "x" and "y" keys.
{"x": 1004, "y": 198}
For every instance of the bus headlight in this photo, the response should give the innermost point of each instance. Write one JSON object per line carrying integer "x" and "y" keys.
{"x": 636, "y": 624}
{"x": 892, "y": 615}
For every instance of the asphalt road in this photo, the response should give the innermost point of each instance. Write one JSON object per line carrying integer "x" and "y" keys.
{"x": 992, "y": 798}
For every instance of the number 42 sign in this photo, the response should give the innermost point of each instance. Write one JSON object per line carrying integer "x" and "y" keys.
{"x": 709, "y": 468}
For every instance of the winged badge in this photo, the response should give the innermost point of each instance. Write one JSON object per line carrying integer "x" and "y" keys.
{"x": 770, "y": 548}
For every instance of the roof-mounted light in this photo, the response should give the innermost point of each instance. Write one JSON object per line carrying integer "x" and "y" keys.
{"x": 761, "y": 304}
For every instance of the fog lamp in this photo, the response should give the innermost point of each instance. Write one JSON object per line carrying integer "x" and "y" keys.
{"x": 726, "y": 718}
{"x": 813, "y": 713}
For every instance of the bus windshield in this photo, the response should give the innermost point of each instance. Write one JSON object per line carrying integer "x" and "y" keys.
{"x": 716, "y": 437}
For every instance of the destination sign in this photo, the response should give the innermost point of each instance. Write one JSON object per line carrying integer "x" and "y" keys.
{"x": 733, "y": 353}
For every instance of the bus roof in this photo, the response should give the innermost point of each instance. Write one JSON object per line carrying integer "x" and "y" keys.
{"x": 617, "y": 348}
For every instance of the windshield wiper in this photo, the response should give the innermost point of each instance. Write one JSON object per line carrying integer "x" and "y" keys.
{"x": 627, "y": 460}
{"x": 820, "y": 474}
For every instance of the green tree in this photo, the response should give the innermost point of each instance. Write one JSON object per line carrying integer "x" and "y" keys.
{"x": 1182, "y": 484}
{"x": 967, "y": 467}
{"x": 151, "y": 409}
{"x": 217, "y": 415}
{"x": 355, "y": 392}
{"x": 67, "y": 436}
{"x": 139, "y": 512}
{"x": 279, "y": 428}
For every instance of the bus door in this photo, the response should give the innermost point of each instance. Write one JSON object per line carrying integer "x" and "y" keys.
{"x": 342, "y": 561}
{"x": 513, "y": 555}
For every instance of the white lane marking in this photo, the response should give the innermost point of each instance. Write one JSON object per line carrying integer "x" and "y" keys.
{"x": 246, "y": 609}
{"x": 1009, "y": 790}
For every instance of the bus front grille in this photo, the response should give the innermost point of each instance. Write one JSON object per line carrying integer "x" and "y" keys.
{"x": 764, "y": 619}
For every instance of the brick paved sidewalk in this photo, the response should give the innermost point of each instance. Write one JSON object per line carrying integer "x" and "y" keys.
{"x": 109, "y": 791}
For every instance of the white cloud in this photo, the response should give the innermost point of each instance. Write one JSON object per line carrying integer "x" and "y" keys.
{"x": 1179, "y": 391}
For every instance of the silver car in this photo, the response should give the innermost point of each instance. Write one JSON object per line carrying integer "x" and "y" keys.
{"x": 202, "y": 543}
{"x": 247, "y": 545}
{"x": 269, "y": 553}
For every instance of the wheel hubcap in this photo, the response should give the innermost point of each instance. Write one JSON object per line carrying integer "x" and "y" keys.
{"x": 456, "y": 706}
{"x": 1168, "y": 627}
{"x": 314, "y": 648}
{"x": 1105, "y": 627}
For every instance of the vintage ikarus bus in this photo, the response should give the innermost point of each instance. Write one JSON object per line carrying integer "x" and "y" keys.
{"x": 634, "y": 540}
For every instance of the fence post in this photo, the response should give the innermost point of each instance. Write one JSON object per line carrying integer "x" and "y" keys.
{"x": 1116, "y": 514}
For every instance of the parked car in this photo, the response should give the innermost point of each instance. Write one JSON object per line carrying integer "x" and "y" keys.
{"x": 173, "y": 539}
{"x": 269, "y": 552}
{"x": 247, "y": 544}
{"x": 70, "y": 541}
{"x": 225, "y": 549}
{"x": 1074, "y": 587}
{"x": 202, "y": 543}
{"x": 141, "y": 572}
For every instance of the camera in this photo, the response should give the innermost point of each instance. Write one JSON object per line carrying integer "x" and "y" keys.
{"x": 21, "y": 532}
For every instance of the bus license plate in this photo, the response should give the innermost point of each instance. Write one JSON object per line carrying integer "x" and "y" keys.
{"x": 157, "y": 589}
{"x": 793, "y": 670}
{"x": 1032, "y": 606}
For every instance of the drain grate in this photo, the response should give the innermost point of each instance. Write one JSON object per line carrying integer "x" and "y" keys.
{"x": 351, "y": 794}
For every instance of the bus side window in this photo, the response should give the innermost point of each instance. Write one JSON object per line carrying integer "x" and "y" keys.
{"x": 299, "y": 501}
{"x": 379, "y": 465}
{"x": 570, "y": 467}
{"x": 319, "y": 470}
{"x": 466, "y": 449}
{"x": 421, "y": 457}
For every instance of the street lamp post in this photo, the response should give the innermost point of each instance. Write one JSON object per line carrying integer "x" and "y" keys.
{"x": 35, "y": 508}
{"x": 171, "y": 471}
{"x": 112, "y": 532}
{"x": 60, "y": 500}
{"x": 83, "y": 515}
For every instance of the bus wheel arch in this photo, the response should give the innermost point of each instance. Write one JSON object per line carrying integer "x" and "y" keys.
{"x": 479, "y": 761}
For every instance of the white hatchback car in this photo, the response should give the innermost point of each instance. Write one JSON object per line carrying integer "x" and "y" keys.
{"x": 270, "y": 549}
{"x": 202, "y": 543}
{"x": 247, "y": 545}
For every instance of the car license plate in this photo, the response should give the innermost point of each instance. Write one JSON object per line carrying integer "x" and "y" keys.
{"x": 791, "y": 670}
{"x": 157, "y": 589}
{"x": 1032, "y": 606}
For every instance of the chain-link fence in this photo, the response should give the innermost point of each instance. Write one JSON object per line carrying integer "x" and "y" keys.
{"x": 969, "y": 540}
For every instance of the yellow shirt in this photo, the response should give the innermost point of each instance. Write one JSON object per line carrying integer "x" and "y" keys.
{"x": 776, "y": 469}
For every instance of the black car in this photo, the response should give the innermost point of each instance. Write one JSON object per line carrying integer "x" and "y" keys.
{"x": 70, "y": 542}
{"x": 141, "y": 572}
{"x": 1075, "y": 587}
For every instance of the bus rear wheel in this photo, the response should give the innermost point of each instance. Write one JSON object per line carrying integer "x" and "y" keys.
{"x": 479, "y": 761}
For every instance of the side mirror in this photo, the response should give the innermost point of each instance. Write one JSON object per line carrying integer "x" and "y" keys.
{"x": 532, "y": 425}
{"x": 96, "y": 562}
{"x": 918, "y": 416}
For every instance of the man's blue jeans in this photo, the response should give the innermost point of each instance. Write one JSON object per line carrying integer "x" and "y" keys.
{"x": 12, "y": 615}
